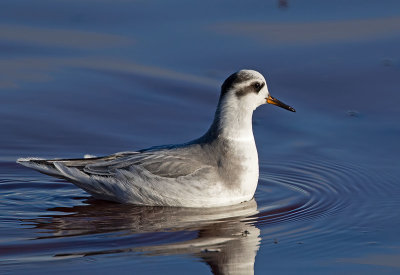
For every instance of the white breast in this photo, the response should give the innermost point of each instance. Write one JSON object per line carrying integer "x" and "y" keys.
{"x": 249, "y": 179}
{"x": 245, "y": 151}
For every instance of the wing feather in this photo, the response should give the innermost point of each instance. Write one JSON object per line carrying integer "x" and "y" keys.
{"x": 159, "y": 163}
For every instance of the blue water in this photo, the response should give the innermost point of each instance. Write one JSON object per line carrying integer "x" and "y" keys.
{"x": 99, "y": 77}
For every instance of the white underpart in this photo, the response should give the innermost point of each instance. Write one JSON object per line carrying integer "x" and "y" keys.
{"x": 247, "y": 153}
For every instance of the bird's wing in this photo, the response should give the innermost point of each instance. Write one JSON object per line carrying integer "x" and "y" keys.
{"x": 163, "y": 163}
{"x": 153, "y": 177}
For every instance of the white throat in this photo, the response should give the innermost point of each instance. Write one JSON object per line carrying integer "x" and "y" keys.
{"x": 233, "y": 121}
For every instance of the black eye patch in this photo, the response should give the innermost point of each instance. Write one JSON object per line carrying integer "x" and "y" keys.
{"x": 258, "y": 86}
{"x": 254, "y": 87}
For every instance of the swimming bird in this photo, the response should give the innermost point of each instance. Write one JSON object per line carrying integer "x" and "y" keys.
{"x": 218, "y": 169}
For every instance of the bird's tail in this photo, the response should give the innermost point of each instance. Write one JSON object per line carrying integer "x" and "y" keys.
{"x": 41, "y": 165}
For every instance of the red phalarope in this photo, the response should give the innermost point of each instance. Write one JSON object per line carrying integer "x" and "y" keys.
{"x": 218, "y": 169}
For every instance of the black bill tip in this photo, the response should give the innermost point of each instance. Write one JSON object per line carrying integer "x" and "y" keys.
{"x": 274, "y": 101}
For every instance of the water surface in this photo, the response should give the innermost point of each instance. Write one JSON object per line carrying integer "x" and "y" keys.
{"x": 85, "y": 77}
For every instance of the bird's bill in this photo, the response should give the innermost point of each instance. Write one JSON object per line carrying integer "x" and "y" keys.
{"x": 274, "y": 101}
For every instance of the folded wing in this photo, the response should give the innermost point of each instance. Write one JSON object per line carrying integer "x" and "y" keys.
{"x": 159, "y": 163}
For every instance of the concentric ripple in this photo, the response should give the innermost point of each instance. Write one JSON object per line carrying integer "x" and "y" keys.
{"x": 318, "y": 189}
{"x": 308, "y": 199}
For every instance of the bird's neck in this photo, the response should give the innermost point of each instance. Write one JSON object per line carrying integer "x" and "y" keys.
{"x": 232, "y": 122}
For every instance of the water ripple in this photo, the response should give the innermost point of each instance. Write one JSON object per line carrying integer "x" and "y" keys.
{"x": 322, "y": 198}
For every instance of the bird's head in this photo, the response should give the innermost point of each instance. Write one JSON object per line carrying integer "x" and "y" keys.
{"x": 248, "y": 89}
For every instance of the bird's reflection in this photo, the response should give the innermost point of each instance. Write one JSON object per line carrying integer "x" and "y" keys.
{"x": 223, "y": 237}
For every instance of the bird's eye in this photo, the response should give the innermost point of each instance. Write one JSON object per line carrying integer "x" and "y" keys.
{"x": 257, "y": 85}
